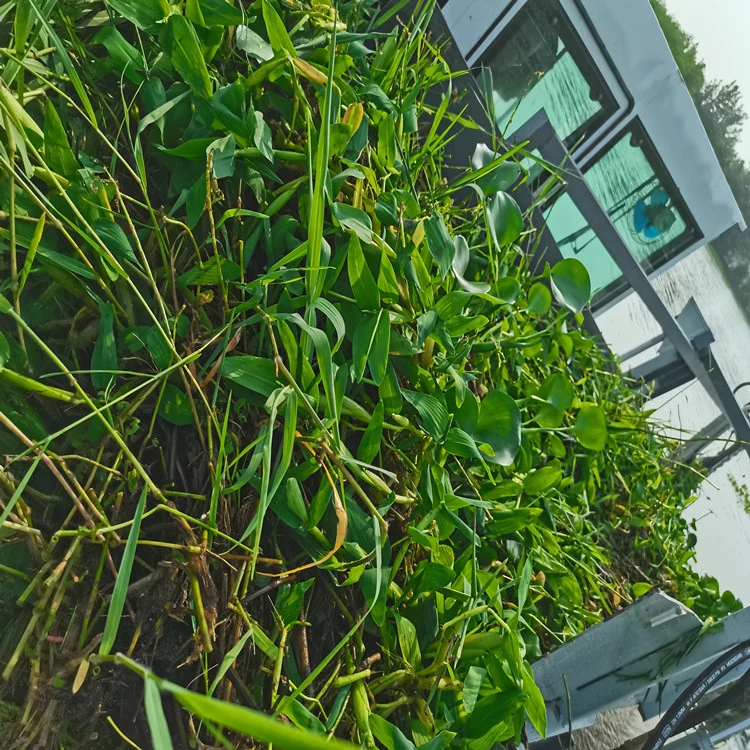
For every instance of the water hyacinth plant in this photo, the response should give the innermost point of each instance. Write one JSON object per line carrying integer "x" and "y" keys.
{"x": 299, "y": 449}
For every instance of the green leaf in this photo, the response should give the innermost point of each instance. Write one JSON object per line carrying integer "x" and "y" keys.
{"x": 431, "y": 576}
{"x": 472, "y": 685}
{"x": 387, "y": 282}
{"x": 371, "y": 342}
{"x": 220, "y": 13}
{"x": 534, "y": 702}
{"x": 541, "y": 480}
{"x": 460, "y": 443}
{"x": 439, "y": 243}
{"x": 499, "y": 426}
{"x": 571, "y": 284}
{"x": 508, "y": 521}
{"x": 277, "y": 33}
{"x": 363, "y": 284}
{"x": 119, "y": 593}
{"x": 257, "y": 374}
{"x": 183, "y": 47}
{"x": 641, "y": 589}
{"x": 492, "y": 711}
{"x": 104, "y": 356}
{"x": 498, "y": 172}
{"x": 115, "y": 239}
{"x": 505, "y": 219}
{"x": 387, "y": 142}
{"x": 253, "y": 44}
{"x": 389, "y": 735}
{"x": 223, "y": 150}
{"x": 435, "y": 418}
{"x": 175, "y": 406}
{"x": 524, "y": 582}
{"x": 369, "y": 446}
{"x": 22, "y": 23}
{"x": 591, "y": 427}
{"x": 452, "y": 304}
{"x": 4, "y": 351}
{"x": 559, "y": 394}
{"x": 540, "y": 299}
{"x": 460, "y": 263}
{"x": 157, "y": 721}
{"x": 386, "y": 209}
{"x": 354, "y": 219}
{"x": 125, "y": 58}
{"x": 57, "y": 152}
{"x": 262, "y": 137}
{"x": 507, "y": 289}
{"x": 143, "y": 13}
{"x": 408, "y": 642}
{"x": 390, "y": 392}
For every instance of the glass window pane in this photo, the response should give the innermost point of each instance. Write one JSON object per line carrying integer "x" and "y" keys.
{"x": 539, "y": 62}
{"x": 641, "y": 204}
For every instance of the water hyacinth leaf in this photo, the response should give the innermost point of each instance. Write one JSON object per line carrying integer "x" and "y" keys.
{"x": 117, "y": 602}
{"x": 507, "y": 289}
{"x": 505, "y": 219}
{"x": 571, "y": 284}
{"x": 591, "y": 427}
{"x": 558, "y": 392}
{"x": 541, "y": 480}
{"x": 183, "y": 47}
{"x": 252, "y": 44}
{"x": 435, "y": 417}
{"x": 143, "y": 13}
{"x": 460, "y": 263}
{"x": 439, "y": 242}
{"x": 496, "y": 172}
{"x": 104, "y": 356}
{"x": 540, "y": 299}
{"x": 499, "y": 426}
{"x": 361, "y": 280}
{"x": 57, "y": 151}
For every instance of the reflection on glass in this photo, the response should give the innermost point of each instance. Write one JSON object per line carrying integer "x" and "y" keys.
{"x": 640, "y": 205}
{"x": 540, "y": 63}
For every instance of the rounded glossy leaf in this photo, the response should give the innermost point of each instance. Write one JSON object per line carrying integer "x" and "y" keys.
{"x": 499, "y": 426}
{"x": 543, "y": 479}
{"x": 498, "y": 172}
{"x": 571, "y": 284}
{"x": 505, "y": 219}
{"x": 507, "y": 289}
{"x": 540, "y": 299}
{"x": 591, "y": 427}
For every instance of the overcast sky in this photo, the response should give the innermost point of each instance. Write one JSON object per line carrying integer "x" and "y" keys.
{"x": 721, "y": 29}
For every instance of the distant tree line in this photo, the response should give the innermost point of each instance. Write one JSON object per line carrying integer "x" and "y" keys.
{"x": 721, "y": 110}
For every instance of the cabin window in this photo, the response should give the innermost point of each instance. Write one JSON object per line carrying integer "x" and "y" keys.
{"x": 538, "y": 62}
{"x": 632, "y": 185}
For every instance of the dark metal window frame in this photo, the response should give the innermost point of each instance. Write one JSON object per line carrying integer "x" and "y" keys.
{"x": 690, "y": 236}
{"x": 575, "y": 46}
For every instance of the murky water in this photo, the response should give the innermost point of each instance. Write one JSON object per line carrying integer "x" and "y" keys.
{"x": 723, "y": 527}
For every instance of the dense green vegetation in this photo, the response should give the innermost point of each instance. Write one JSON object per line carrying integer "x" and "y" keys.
{"x": 289, "y": 427}
{"x": 723, "y": 114}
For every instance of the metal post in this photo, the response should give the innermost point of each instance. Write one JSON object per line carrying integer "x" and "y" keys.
{"x": 539, "y": 130}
